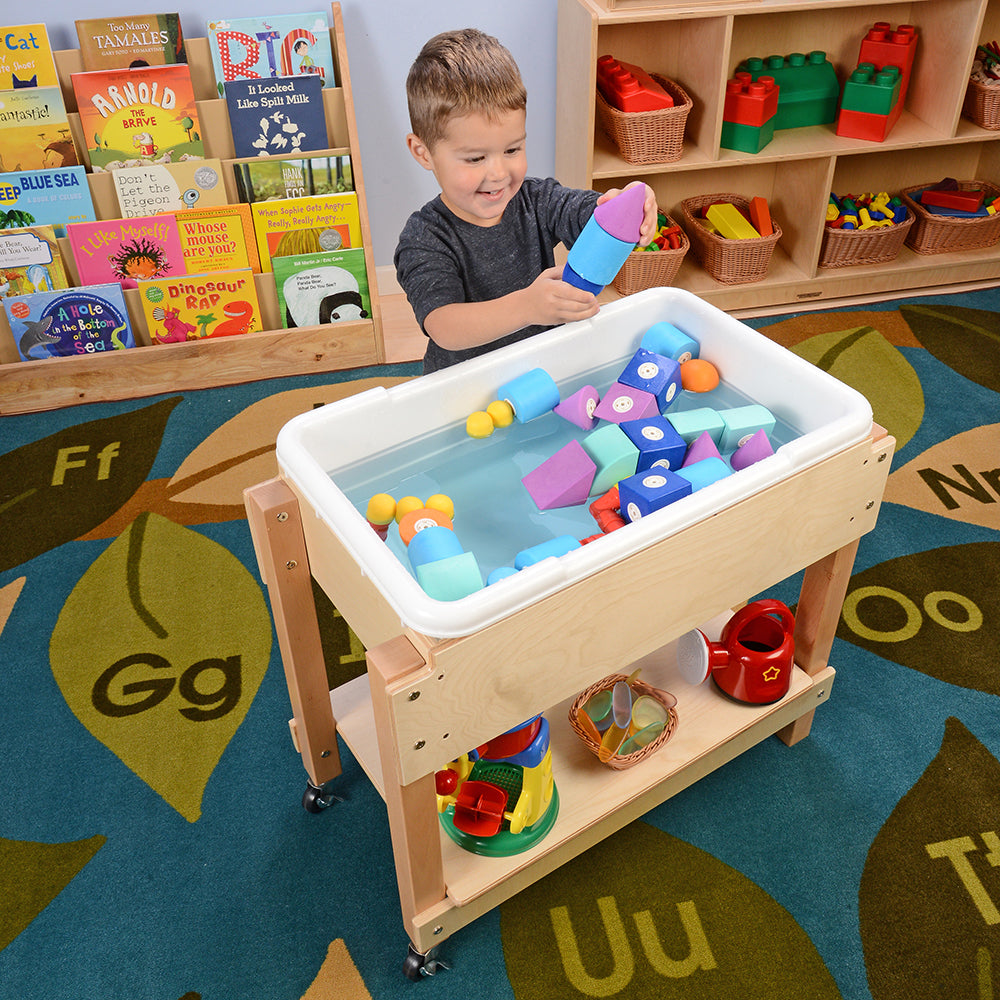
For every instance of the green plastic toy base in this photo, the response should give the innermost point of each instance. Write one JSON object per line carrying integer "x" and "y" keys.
{"x": 746, "y": 138}
{"x": 503, "y": 844}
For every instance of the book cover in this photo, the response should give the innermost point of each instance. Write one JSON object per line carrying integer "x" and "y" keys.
{"x": 318, "y": 288}
{"x": 70, "y": 323}
{"x": 256, "y": 48}
{"x": 26, "y": 57}
{"x": 219, "y": 304}
{"x": 126, "y": 250}
{"x": 218, "y": 239}
{"x": 287, "y": 177}
{"x": 30, "y": 261}
{"x": 306, "y": 225}
{"x": 129, "y": 117}
{"x": 281, "y": 116}
{"x": 45, "y": 197}
{"x": 35, "y": 130}
{"x": 132, "y": 40}
{"x": 169, "y": 187}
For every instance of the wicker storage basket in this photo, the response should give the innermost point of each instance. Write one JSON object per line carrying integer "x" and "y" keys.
{"x": 650, "y": 268}
{"x": 982, "y": 104}
{"x": 731, "y": 262}
{"x": 616, "y": 762}
{"x": 648, "y": 136}
{"x": 845, "y": 247}
{"x": 933, "y": 233}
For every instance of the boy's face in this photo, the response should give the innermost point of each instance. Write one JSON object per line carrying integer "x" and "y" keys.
{"x": 480, "y": 164}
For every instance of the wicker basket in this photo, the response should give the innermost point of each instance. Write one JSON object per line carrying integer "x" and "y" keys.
{"x": 846, "y": 247}
{"x": 616, "y": 762}
{"x": 648, "y": 136}
{"x": 933, "y": 233}
{"x": 650, "y": 268}
{"x": 731, "y": 262}
{"x": 982, "y": 104}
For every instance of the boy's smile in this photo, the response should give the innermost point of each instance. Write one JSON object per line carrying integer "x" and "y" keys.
{"x": 480, "y": 164}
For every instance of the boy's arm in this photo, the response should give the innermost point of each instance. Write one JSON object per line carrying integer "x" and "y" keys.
{"x": 547, "y": 301}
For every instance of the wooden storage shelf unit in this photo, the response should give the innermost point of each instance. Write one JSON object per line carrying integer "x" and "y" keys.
{"x": 148, "y": 369}
{"x": 700, "y": 46}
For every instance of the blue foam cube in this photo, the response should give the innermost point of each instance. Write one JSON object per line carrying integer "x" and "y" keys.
{"x": 653, "y": 373}
{"x": 648, "y": 491}
{"x": 659, "y": 444}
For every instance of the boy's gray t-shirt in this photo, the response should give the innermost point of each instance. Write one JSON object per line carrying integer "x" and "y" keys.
{"x": 442, "y": 259}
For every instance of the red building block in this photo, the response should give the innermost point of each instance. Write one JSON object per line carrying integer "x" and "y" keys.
{"x": 967, "y": 201}
{"x": 630, "y": 88}
{"x": 865, "y": 125}
{"x": 760, "y": 216}
{"x": 748, "y": 102}
{"x": 883, "y": 46}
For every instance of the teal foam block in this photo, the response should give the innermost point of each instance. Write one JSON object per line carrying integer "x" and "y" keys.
{"x": 614, "y": 455}
{"x": 450, "y": 579}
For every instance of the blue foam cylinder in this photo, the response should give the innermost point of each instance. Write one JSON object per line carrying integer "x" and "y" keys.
{"x": 664, "y": 338}
{"x": 531, "y": 394}
{"x": 553, "y": 547}
{"x": 500, "y": 573}
{"x": 704, "y": 473}
{"x": 572, "y": 278}
{"x": 431, "y": 544}
{"x": 598, "y": 256}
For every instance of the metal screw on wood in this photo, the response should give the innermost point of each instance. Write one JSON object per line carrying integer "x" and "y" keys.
{"x": 414, "y": 695}
{"x": 419, "y": 745}
{"x": 283, "y": 516}
{"x": 291, "y": 564}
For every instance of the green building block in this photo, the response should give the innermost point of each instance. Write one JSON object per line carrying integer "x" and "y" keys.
{"x": 808, "y": 90}
{"x": 746, "y": 138}
{"x": 874, "y": 91}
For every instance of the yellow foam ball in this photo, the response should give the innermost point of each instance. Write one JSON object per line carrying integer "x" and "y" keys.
{"x": 406, "y": 505}
{"x": 443, "y": 503}
{"x": 479, "y": 424}
{"x": 501, "y": 413}
{"x": 698, "y": 375}
{"x": 381, "y": 509}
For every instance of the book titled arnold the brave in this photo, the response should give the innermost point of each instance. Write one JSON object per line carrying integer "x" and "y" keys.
{"x": 129, "y": 117}
{"x": 126, "y": 250}
{"x": 134, "y": 40}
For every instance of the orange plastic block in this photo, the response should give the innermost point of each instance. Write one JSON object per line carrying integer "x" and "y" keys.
{"x": 630, "y": 88}
{"x": 760, "y": 216}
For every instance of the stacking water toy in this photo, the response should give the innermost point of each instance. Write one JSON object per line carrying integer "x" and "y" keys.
{"x": 609, "y": 236}
{"x": 523, "y": 398}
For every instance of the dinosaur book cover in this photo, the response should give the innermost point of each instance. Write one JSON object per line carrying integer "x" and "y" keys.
{"x": 34, "y": 130}
{"x": 129, "y": 117}
{"x": 258, "y": 48}
{"x": 133, "y": 40}
{"x": 218, "y": 304}
{"x": 277, "y": 117}
{"x": 274, "y": 177}
{"x": 218, "y": 239}
{"x": 169, "y": 187}
{"x": 126, "y": 250}
{"x": 71, "y": 323}
{"x": 319, "y": 288}
{"x": 45, "y": 197}
{"x": 26, "y": 57}
{"x": 306, "y": 225}
{"x": 30, "y": 261}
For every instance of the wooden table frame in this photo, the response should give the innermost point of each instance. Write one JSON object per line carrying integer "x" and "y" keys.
{"x": 425, "y": 700}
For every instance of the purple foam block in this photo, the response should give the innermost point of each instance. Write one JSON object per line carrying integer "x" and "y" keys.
{"x": 756, "y": 447}
{"x": 579, "y": 408}
{"x": 622, "y": 216}
{"x": 623, "y": 402}
{"x": 562, "y": 480}
{"x": 701, "y": 447}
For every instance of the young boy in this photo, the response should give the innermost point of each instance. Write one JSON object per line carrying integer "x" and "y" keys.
{"x": 477, "y": 262}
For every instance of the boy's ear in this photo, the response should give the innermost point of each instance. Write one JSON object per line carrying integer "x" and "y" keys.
{"x": 419, "y": 151}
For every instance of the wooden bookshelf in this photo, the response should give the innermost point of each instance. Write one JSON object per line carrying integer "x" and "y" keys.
{"x": 149, "y": 369}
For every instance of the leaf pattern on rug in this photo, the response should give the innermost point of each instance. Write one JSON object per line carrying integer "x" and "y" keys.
{"x": 863, "y": 359}
{"x": 966, "y": 340}
{"x": 60, "y": 487}
{"x": 600, "y": 926}
{"x": 956, "y": 478}
{"x": 936, "y": 611}
{"x": 164, "y": 674}
{"x": 929, "y": 893}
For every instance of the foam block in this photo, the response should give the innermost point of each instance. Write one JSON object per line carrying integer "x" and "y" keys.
{"x": 431, "y": 544}
{"x": 597, "y": 256}
{"x": 623, "y": 402}
{"x": 691, "y": 424}
{"x": 740, "y": 422}
{"x": 553, "y": 547}
{"x": 704, "y": 473}
{"x": 621, "y": 216}
{"x": 562, "y": 480}
{"x": 579, "y": 408}
{"x": 531, "y": 394}
{"x": 756, "y": 447}
{"x": 500, "y": 573}
{"x": 700, "y": 448}
{"x": 666, "y": 339}
{"x": 653, "y": 373}
{"x": 572, "y": 278}
{"x": 660, "y": 446}
{"x": 646, "y": 492}
{"x": 450, "y": 579}
{"x": 614, "y": 455}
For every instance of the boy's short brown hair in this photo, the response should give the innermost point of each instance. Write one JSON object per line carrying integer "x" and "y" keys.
{"x": 460, "y": 73}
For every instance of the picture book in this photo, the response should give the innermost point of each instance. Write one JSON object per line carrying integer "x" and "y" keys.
{"x": 70, "y": 323}
{"x": 126, "y": 250}
{"x": 30, "y": 261}
{"x": 132, "y": 40}
{"x": 282, "y": 116}
{"x": 318, "y": 288}
{"x": 285, "y": 177}
{"x": 45, "y": 197}
{"x": 306, "y": 225}
{"x": 35, "y": 130}
{"x": 218, "y": 239}
{"x": 219, "y": 304}
{"x": 26, "y": 57}
{"x": 169, "y": 187}
{"x": 256, "y": 48}
{"x": 129, "y": 117}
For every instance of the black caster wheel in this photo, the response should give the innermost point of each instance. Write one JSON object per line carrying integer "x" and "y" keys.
{"x": 315, "y": 799}
{"x": 417, "y": 965}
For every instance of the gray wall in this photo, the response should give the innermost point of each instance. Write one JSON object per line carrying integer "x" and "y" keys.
{"x": 383, "y": 37}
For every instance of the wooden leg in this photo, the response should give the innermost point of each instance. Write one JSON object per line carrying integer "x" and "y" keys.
{"x": 276, "y": 527}
{"x": 821, "y": 599}
{"x": 413, "y": 817}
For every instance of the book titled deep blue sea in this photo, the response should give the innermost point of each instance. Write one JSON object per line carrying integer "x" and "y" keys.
{"x": 69, "y": 322}
{"x": 53, "y": 196}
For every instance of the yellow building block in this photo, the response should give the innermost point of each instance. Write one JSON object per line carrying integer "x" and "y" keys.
{"x": 729, "y": 222}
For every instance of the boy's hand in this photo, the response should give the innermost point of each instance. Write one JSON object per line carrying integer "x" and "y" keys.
{"x": 551, "y": 301}
{"x": 648, "y": 229}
